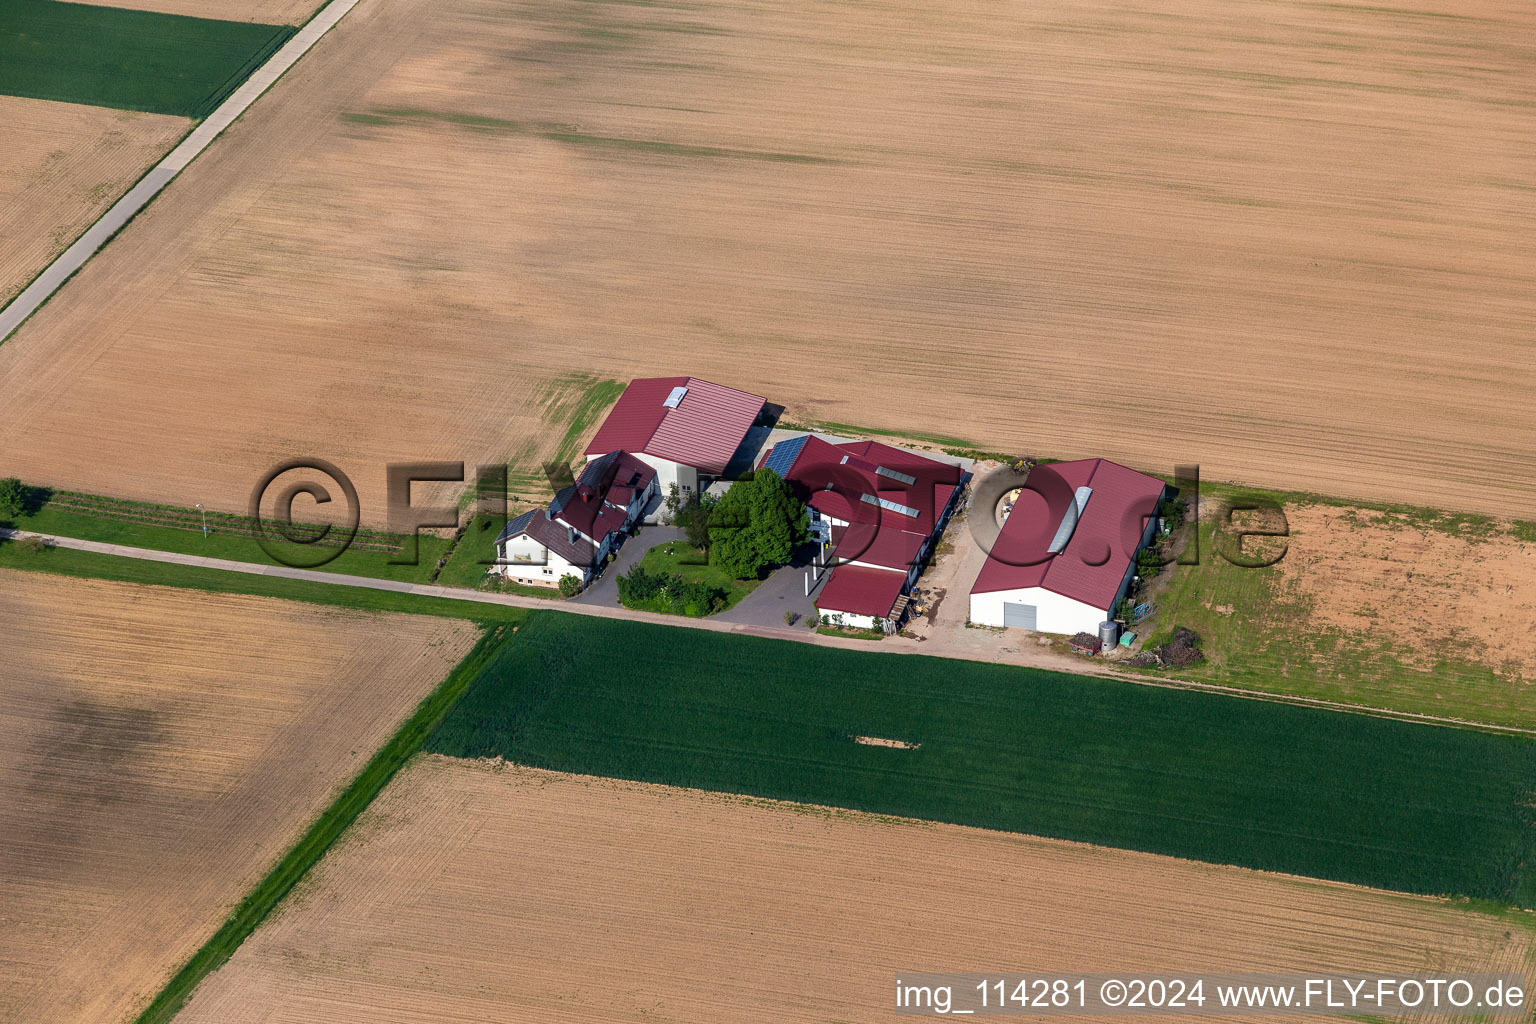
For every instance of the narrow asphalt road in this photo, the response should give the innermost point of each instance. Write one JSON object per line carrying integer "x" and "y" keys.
{"x": 802, "y": 635}
{"x": 149, "y": 186}
{"x": 339, "y": 579}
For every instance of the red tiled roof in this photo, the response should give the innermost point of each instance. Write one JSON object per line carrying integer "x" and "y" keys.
{"x": 879, "y": 536}
{"x": 589, "y": 505}
{"x": 1094, "y": 561}
{"x": 860, "y": 590}
{"x": 703, "y": 431}
{"x": 892, "y": 548}
{"x": 552, "y": 535}
{"x": 614, "y": 479}
{"x": 592, "y": 516}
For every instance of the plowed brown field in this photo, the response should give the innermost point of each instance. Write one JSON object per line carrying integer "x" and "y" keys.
{"x": 61, "y": 166}
{"x": 264, "y": 12}
{"x": 163, "y": 748}
{"x": 1288, "y": 241}
{"x": 473, "y": 891}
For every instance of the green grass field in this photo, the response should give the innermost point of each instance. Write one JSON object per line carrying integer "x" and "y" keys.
{"x": 132, "y": 60}
{"x": 221, "y": 542}
{"x": 1401, "y": 806}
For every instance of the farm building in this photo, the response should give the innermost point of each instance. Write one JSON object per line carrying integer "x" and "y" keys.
{"x": 689, "y": 430}
{"x": 581, "y": 526}
{"x": 1067, "y": 552}
{"x": 880, "y": 511}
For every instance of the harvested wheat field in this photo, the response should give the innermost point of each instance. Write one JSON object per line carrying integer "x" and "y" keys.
{"x": 1286, "y": 241}
{"x": 62, "y": 166}
{"x": 163, "y": 749}
{"x": 482, "y": 891}
{"x": 264, "y": 12}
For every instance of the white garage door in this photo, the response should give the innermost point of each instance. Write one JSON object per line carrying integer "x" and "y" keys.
{"x": 1020, "y": 615}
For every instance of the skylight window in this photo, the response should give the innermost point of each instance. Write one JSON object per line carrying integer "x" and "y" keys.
{"x": 890, "y": 506}
{"x": 905, "y": 478}
{"x": 1069, "y": 520}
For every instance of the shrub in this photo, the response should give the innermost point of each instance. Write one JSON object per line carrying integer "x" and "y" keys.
{"x": 660, "y": 592}
{"x": 1173, "y": 511}
{"x": 790, "y": 618}
{"x": 1149, "y": 562}
{"x": 569, "y": 585}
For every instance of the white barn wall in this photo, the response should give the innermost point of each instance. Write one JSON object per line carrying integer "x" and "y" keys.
{"x": 1053, "y": 612}
{"x": 851, "y": 619}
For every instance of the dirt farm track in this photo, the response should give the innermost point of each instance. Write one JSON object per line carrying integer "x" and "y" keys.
{"x": 476, "y": 892}
{"x": 164, "y": 749}
{"x": 1287, "y": 240}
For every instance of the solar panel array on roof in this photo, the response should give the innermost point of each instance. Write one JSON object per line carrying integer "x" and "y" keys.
{"x": 906, "y": 478}
{"x": 783, "y": 455}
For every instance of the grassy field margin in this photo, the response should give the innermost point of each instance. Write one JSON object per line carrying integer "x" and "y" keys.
{"x": 333, "y": 821}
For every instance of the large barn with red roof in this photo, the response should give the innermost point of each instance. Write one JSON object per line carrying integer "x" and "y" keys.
{"x": 1067, "y": 551}
{"x": 688, "y": 430}
{"x": 880, "y": 511}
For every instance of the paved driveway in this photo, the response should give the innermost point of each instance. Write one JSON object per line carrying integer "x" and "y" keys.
{"x": 782, "y": 592}
{"x": 604, "y": 590}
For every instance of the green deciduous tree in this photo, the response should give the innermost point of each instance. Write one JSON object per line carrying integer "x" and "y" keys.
{"x": 13, "y": 498}
{"x": 758, "y": 523}
{"x": 691, "y": 513}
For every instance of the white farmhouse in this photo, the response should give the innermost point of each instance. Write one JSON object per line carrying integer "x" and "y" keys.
{"x": 689, "y": 430}
{"x": 1066, "y": 554}
{"x": 581, "y": 526}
